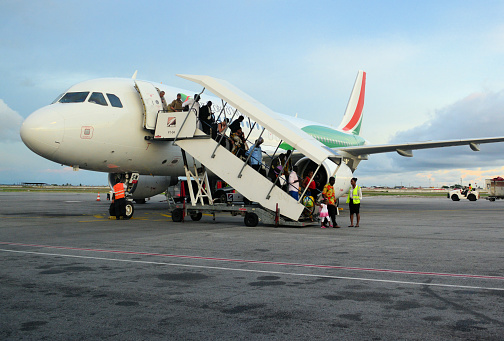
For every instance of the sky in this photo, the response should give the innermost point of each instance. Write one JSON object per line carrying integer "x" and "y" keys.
{"x": 434, "y": 70}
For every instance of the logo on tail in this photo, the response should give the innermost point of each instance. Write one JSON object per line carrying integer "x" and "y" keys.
{"x": 352, "y": 119}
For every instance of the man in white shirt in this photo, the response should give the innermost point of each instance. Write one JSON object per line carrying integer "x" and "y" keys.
{"x": 294, "y": 184}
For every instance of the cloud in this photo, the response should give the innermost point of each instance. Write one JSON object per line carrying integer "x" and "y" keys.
{"x": 10, "y": 123}
{"x": 475, "y": 116}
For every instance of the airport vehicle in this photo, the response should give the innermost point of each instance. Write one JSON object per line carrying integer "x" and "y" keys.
{"x": 458, "y": 194}
{"x": 118, "y": 126}
{"x": 228, "y": 194}
{"x": 495, "y": 188}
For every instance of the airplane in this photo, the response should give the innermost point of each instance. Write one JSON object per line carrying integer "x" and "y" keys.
{"x": 109, "y": 125}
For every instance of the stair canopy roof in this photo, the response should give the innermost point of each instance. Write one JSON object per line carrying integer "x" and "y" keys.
{"x": 266, "y": 117}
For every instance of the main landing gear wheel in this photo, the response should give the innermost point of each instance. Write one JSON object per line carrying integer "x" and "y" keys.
{"x": 196, "y": 216}
{"x": 251, "y": 219}
{"x": 177, "y": 215}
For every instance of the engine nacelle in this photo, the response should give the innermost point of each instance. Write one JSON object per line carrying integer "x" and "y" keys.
{"x": 147, "y": 185}
{"x": 334, "y": 166}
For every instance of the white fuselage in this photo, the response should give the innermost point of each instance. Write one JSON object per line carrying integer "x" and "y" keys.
{"x": 111, "y": 139}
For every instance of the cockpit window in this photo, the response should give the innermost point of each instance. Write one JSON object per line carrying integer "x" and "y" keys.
{"x": 97, "y": 98}
{"x": 74, "y": 97}
{"x": 114, "y": 100}
{"x": 57, "y": 98}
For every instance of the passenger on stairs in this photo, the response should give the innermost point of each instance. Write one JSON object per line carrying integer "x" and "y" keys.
{"x": 219, "y": 133}
{"x": 163, "y": 101}
{"x": 255, "y": 153}
{"x": 239, "y": 143}
{"x": 294, "y": 184}
{"x": 176, "y": 104}
{"x": 312, "y": 186}
{"x": 236, "y": 124}
{"x": 206, "y": 117}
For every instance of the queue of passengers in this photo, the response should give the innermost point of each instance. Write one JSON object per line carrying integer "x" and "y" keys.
{"x": 280, "y": 171}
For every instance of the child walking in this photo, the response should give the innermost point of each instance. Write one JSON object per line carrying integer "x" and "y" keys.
{"x": 324, "y": 214}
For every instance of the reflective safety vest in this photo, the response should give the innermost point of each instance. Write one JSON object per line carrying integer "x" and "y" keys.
{"x": 119, "y": 190}
{"x": 355, "y": 195}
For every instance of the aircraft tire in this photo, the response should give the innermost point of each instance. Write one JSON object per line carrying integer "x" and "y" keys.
{"x": 177, "y": 215}
{"x": 130, "y": 209}
{"x": 471, "y": 197}
{"x": 455, "y": 197}
{"x": 251, "y": 219}
{"x": 196, "y": 216}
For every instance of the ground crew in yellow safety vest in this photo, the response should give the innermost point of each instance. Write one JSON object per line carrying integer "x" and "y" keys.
{"x": 354, "y": 198}
{"x": 119, "y": 200}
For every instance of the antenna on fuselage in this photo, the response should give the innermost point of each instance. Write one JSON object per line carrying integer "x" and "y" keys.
{"x": 134, "y": 75}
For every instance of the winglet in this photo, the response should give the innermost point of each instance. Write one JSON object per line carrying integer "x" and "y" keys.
{"x": 352, "y": 119}
{"x": 134, "y": 75}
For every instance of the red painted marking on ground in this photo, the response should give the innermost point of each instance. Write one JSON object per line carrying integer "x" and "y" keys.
{"x": 259, "y": 261}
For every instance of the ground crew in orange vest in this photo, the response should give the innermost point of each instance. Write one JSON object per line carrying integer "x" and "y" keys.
{"x": 119, "y": 200}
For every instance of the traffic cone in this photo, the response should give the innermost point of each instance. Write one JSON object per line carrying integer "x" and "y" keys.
{"x": 98, "y": 197}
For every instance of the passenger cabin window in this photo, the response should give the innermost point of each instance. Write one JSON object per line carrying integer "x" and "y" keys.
{"x": 74, "y": 97}
{"x": 114, "y": 100}
{"x": 97, "y": 98}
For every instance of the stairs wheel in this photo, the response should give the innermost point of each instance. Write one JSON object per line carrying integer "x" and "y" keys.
{"x": 177, "y": 215}
{"x": 251, "y": 219}
{"x": 196, "y": 216}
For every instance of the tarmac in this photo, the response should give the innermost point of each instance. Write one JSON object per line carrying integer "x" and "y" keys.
{"x": 417, "y": 268}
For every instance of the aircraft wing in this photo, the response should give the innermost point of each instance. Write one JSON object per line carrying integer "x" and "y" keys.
{"x": 276, "y": 124}
{"x": 406, "y": 149}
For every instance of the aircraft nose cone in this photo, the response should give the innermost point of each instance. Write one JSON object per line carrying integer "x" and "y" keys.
{"x": 43, "y": 131}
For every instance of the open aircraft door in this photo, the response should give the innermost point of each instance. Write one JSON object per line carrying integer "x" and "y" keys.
{"x": 151, "y": 103}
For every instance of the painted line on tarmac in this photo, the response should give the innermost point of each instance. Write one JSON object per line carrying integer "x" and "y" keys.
{"x": 320, "y": 266}
{"x": 256, "y": 271}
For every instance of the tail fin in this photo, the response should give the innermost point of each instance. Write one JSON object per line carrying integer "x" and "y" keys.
{"x": 352, "y": 120}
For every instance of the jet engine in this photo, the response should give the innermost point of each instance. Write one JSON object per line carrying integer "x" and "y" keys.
{"x": 147, "y": 185}
{"x": 334, "y": 166}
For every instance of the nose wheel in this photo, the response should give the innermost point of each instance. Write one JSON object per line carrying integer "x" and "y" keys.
{"x": 129, "y": 209}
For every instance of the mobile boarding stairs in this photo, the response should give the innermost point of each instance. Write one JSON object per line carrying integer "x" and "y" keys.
{"x": 274, "y": 206}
